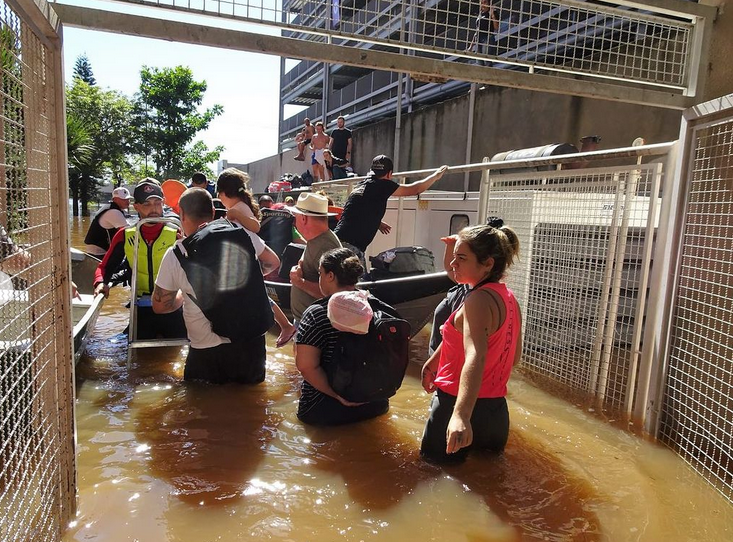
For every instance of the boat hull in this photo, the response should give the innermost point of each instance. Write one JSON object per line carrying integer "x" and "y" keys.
{"x": 415, "y": 298}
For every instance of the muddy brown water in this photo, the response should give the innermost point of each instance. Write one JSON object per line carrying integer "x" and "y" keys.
{"x": 163, "y": 460}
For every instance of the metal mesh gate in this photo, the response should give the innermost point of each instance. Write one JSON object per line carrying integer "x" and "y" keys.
{"x": 36, "y": 381}
{"x": 697, "y": 411}
{"x": 582, "y": 276}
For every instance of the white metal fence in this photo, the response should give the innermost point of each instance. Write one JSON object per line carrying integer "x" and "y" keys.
{"x": 694, "y": 409}
{"x": 37, "y": 478}
{"x": 586, "y": 239}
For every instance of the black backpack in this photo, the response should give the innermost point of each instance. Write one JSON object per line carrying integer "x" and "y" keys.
{"x": 371, "y": 367}
{"x": 223, "y": 271}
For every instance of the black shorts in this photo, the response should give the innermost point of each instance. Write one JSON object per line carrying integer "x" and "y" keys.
{"x": 489, "y": 422}
{"x": 153, "y": 326}
{"x": 242, "y": 362}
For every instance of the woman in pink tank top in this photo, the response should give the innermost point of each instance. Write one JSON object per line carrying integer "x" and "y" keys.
{"x": 481, "y": 343}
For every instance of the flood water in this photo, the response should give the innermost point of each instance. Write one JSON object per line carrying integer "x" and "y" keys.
{"x": 159, "y": 459}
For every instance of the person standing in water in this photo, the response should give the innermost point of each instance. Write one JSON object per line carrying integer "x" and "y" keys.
{"x": 470, "y": 369}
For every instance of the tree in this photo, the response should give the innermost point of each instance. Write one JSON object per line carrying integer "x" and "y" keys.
{"x": 166, "y": 120}
{"x": 83, "y": 70}
{"x": 104, "y": 116}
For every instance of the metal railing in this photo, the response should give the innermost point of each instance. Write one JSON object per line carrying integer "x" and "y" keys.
{"x": 634, "y": 43}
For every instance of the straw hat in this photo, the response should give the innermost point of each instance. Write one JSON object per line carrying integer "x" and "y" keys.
{"x": 311, "y": 204}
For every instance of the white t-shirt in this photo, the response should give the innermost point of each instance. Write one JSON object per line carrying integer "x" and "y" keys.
{"x": 244, "y": 209}
{"x": 172, "y": 277}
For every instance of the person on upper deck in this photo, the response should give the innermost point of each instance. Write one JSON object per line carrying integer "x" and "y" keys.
{"x": 107, "y": 221}
{"x": 482, "y": 340}
{"x": 341, "y": 140}
{"x": 215, "y": 275}
{"x": 116, "y": 266}
{"x": 367, "y": 203}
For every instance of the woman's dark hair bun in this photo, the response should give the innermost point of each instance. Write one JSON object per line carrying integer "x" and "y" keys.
{"x": 495, "y": 222}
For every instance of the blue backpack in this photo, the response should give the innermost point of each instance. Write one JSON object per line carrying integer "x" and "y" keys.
{"x": 371, "y": 367}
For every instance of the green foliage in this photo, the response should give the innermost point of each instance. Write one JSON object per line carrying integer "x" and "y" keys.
{"x": 83, "y": 70}
{"x": 100, "y": 121}
{"x": 166, "y": 119}
{"x": 198, "y": 158}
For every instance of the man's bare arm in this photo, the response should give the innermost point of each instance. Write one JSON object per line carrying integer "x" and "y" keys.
{"x": 165, "y": 301}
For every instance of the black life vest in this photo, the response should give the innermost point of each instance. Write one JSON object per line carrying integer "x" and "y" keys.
{"x": 97, "y": 235}
{"x": 276, "y": 229}
{"x": 223, "y": 270}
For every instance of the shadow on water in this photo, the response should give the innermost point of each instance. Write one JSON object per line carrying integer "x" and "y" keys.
{"x": 528, "y": 489}
{"x": 207, "y": 441}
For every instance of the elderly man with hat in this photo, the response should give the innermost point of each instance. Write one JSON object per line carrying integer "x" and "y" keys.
{"x": 367, "y": 203}
{"x": 107, "y": 221}
{"x": 311, "y": 220}
{"x": 155, "y": 239}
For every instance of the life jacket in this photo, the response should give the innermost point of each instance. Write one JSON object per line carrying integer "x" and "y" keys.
{"x": 97, "y": 235}
{"x": 148, "y": 256}
{"x": 221, "y": 265}
{"x": 276, "y": 229}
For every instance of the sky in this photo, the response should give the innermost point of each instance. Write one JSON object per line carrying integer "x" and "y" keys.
{"x": 245, "y": 84}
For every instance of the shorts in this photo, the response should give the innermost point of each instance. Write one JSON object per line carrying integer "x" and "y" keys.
{"x": 242, "y": 362}
{"x": 489, "y": 422}
{"x": 317, "y": 157}
{"x": 151, "y": 325}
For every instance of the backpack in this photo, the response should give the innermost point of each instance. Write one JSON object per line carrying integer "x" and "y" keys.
{"x": 371, "y": 367}
{"x": 402, "y": 262}
{"x": 222, "y": 268}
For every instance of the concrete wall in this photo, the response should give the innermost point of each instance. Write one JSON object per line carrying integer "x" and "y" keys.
{"x": 720, "y": 75}
{"x": 504, "y": 119}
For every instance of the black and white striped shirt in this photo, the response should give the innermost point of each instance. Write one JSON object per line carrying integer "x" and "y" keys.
{"x": 315, "y": 330}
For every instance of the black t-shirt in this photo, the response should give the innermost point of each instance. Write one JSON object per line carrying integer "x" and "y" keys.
{"x": 364, "y": 211}
{"x": 340, "y": 138}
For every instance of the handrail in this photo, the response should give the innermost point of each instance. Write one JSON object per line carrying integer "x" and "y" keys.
{"x": 656, "y": 149}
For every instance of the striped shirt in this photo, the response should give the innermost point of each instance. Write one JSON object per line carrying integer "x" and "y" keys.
{"x": 315, "y": 330}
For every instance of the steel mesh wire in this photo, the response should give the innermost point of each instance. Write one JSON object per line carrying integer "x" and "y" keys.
{"x": 35, "y": 391}
{"x": 563, "y": 37}
{"x": 582, "y": 257}
{"x": 697, "y": 413}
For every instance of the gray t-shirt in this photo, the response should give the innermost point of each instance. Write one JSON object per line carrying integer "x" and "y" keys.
{"x": 314, "y": 249}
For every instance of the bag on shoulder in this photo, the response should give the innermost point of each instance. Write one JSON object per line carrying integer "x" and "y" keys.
{"x": 223, "y": 270}
{"x": 371, "y": 367}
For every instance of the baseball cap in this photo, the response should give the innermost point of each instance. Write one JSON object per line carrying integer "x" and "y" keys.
{"x": 381, "y": 164}
{"x": 121, "y": 192}
{"x": 350, "y": 311}
{"x": 145, "y": 190}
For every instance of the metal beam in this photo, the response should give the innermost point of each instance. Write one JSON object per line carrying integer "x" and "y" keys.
{"x": 135, "y": 25}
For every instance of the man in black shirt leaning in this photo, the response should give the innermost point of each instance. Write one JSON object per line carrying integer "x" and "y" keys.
{"x": 340, "y": 143}
{"x": 366, "y": 205}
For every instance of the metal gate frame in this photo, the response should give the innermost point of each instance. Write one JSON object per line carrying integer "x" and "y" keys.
{"x": 655, "y": 379}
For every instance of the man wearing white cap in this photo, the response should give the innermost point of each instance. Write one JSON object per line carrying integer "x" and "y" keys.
{"x": 311, "y": 220}
{"x": 107, "y": 221}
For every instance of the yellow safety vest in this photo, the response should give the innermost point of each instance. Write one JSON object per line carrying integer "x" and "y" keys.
{"x": 148, "y": 256}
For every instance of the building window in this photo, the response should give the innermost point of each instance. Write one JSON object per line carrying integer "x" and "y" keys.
{"x": 457, "y": 223}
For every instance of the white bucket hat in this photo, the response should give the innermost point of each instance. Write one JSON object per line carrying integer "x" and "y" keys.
{"x": 350, "y": 311}
{"x": 311, "y": 204}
